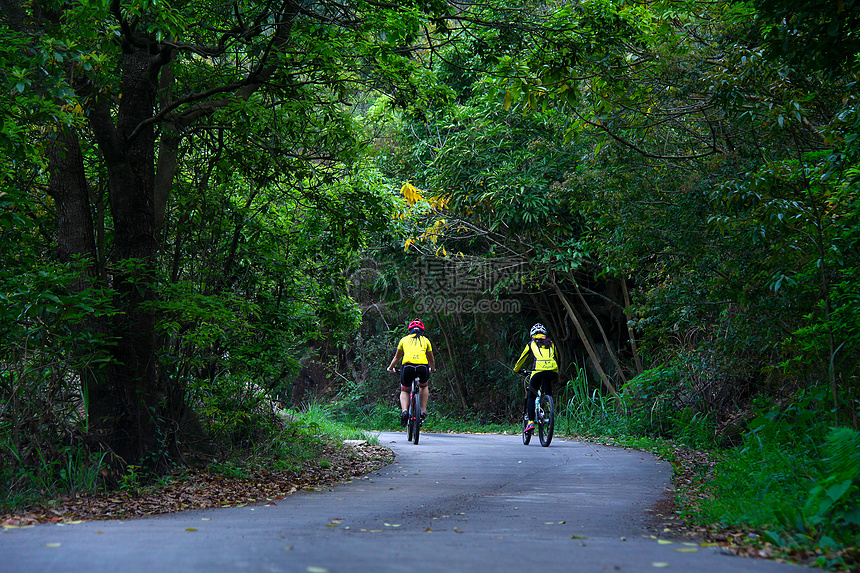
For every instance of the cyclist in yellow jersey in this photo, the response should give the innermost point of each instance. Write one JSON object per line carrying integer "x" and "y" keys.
{"x": 417, "y": 354}
{"x": 544, "y": 368}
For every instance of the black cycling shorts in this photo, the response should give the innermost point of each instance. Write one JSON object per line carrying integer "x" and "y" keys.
{"x": 408, "y": 372}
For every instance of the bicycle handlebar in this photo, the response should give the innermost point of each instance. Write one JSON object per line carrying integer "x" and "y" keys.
{"x": 397, "y": 370}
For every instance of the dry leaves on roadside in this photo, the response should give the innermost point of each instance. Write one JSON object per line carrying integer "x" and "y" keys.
{"x": 198, "y": 489}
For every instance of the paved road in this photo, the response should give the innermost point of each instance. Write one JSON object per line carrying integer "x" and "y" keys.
{"x": 452, "y": 503}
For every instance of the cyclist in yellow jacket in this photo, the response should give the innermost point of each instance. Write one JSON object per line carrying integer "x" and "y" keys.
{"x": 544, "y": 368}
{"x": 417, "y": 354}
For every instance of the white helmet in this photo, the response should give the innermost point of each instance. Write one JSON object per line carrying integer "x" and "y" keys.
{"x": 538, "y": 329}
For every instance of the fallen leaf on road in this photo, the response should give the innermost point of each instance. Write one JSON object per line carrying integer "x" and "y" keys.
{"x": 687, "y": 550}
{"x": 52, "y": 545}
{"x": 664, "y": 542}
{"x": 660, "y": 564}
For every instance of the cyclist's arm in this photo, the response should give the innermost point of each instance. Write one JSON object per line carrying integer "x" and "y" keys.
{"x": 397, "y": 356}
{"x": 431, "y": 362}
{"x": 522, "y": 359}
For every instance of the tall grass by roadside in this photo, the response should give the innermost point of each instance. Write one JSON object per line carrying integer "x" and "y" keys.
{"x": 329, "y": 419}
{"x": 586, "y": 411}
{"x": 72, "y": 470}
{"x": 795, "y": 477}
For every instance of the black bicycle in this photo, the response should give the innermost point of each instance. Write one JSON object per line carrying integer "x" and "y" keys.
{"x": 544, "y": 414}
{"x": 413, "y": 422}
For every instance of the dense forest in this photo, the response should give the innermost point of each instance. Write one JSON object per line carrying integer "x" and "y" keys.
{"x": 211, "y": 208}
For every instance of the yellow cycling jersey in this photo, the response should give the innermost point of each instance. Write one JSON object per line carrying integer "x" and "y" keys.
{"x": 544, "y": 358}
{"x": 415, "y": 349}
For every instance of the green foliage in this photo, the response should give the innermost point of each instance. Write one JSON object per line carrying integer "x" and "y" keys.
{"x": 48, "y": 364}
{"x": 326, "y": 419}
{"x": 58, "y": 471}
{"x": 585, "y": 410}
{"x": 236, "y": 412}
{"x": 811, "y": 34}
{"x": 230, "y": 469}
{"x": 793, "y": 476}
{"x": 830, "y": 516}
{"x": 650, "y": 398}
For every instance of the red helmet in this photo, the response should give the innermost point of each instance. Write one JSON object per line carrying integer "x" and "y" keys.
{"x": 416, "y": 324}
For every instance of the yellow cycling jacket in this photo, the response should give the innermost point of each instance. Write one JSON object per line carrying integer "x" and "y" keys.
{"x": 415, "y": 349}
{"x": 544, "y": 358}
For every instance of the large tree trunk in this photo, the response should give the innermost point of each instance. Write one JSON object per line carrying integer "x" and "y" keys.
{"x": 68, "y": 187}
{"x": 128, "y": 409}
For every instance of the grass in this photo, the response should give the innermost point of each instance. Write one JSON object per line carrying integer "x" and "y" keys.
{"x": 318, "y": 418}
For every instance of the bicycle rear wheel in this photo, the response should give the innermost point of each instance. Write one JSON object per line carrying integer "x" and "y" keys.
{"x": 415, "y": 418}
{"x": 410, "y": 426}
{"x": 546, "y": 422}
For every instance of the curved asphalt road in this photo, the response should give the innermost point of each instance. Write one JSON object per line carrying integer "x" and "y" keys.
{"x": 452, "y": 503}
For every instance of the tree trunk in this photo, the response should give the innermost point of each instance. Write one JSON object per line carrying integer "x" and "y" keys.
{"x": 68, "y": 187}
{"x": 583, "y": 336}
{"x": 633, "y": 346}
{"x": 609, "y": 349}
{"x": 453, "y": 377}
{"x": 128, "y": 409}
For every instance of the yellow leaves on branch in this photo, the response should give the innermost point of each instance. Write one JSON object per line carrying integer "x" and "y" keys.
{"x": 440, "y": 202}
{"x": 411, "y": 193}
{"x": 431, "y": 233}
{"x": 75, "y": 108}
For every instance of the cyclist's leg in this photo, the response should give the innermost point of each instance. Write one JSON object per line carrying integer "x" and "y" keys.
{"x": 423, "y": 387}
{"x": 546, "y": 379}
{"x": 534, "y": 384}
{"x": 407, "y": 373}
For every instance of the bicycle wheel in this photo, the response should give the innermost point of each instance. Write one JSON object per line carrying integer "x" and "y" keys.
{"x": 415, "y": 418}
{"x": 527, "y": 436}
{"x": 410, "y": 426}
{"x": 546, "y": 422}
